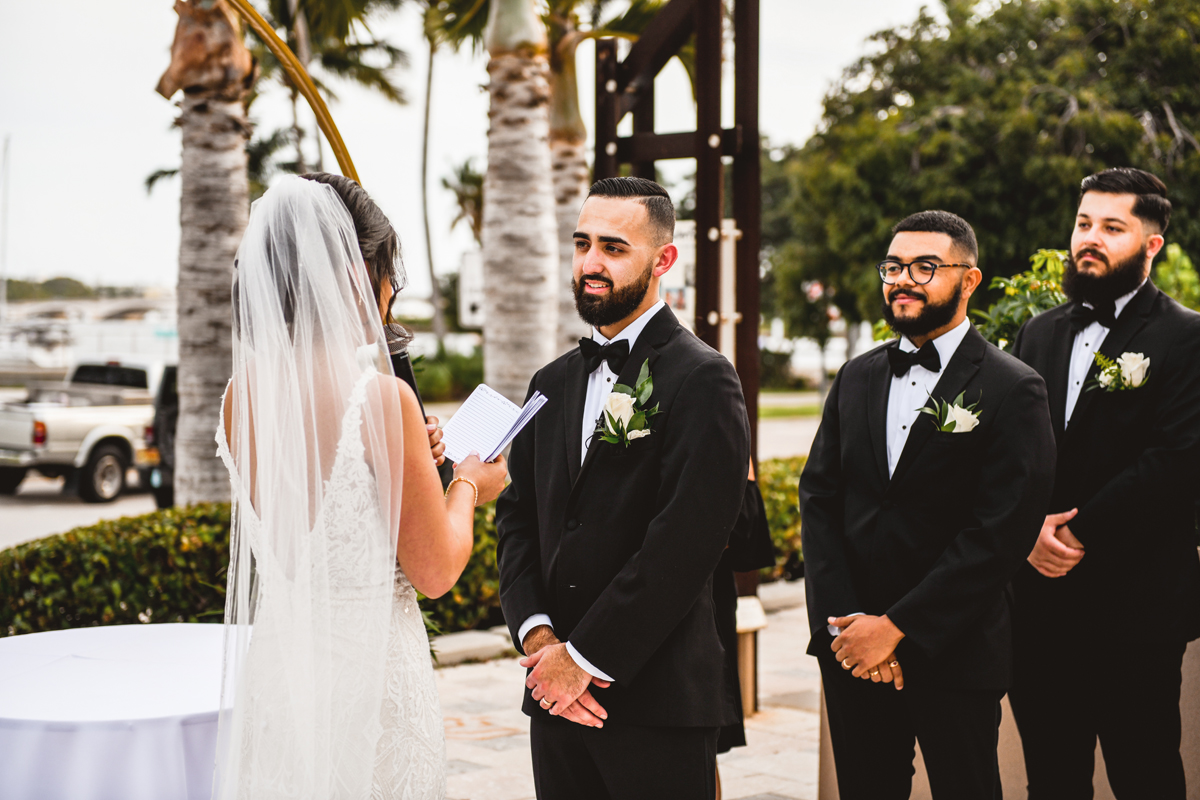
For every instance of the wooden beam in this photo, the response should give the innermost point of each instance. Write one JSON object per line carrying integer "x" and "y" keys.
{"x": 643, "y": 124}
{"x": 656, "y": 45}
{"x": 605, "y": 164}
{"x": 710, "y": 203}
{"x": 660, "y": 146}
{"x": 747, "y": 203}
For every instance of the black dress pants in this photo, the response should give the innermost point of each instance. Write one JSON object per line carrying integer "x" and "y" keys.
{"x": 1126, "y": 694}
{"x": 874, "y": 728}
{"x": 622, "y": 762}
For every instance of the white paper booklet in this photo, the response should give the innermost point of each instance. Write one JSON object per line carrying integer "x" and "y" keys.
{"x": 486, "y": 423}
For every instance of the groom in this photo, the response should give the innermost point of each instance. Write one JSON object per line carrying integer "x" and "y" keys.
{"x": 914, "y": 523}
{"x": 1111, "y": 594}
{"x": 612, "y": 526}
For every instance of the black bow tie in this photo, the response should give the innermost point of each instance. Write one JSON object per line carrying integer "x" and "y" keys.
{"x": 1082, "y": 316}
{"x": 901, "y": 361}
{"x": 594, "y": 354}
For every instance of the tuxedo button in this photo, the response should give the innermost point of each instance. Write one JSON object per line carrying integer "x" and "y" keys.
{"x": 572, "y": 524}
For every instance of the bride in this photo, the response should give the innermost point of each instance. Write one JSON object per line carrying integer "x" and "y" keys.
{"x": 338, "y": 515}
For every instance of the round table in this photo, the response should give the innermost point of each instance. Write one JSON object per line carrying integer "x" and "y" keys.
{"x": 123, "y": 712}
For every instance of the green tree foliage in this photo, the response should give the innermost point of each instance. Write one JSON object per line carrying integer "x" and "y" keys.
{"x": 1176, "y": 276}
{"x": 1025, "y": 295}
{"x": 52, "y": 289}
{"x": 996, "y": 117}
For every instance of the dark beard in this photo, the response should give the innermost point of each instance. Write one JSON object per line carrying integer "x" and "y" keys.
{"x": 600, "y": 312}
{"x": 1120, "y": 280}
{"x": 932, "y": 316}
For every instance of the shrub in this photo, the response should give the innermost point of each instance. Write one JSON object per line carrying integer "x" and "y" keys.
{"x": 778, "y": 481}
{"x": 449, "y": 375}
{"x": 168, "y": 566}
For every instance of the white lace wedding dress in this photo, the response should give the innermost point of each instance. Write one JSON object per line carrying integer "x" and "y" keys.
{"x": 279, "y": 744}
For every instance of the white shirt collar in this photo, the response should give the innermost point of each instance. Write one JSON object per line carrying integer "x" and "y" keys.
{"x": 946, "y": 344}
{"x": 1122, "y": 301}
{"x": 633, "y": 329}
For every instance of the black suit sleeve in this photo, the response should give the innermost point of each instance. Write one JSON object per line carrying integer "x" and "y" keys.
{"x": 828, "y": 588}
{"x": 518, "y": 553}
{"x": 704, "y": 454}
{"x": 1008, "y": 508}
{"x": 1168, "y": 467}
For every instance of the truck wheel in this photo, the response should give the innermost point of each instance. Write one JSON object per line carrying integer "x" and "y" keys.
{"x": 103, "y": 478}
{"x": 10, "y": 479}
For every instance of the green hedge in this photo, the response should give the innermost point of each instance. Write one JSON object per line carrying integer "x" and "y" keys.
{"x": 169, "y": 566}
{"x": 777, "y": 480}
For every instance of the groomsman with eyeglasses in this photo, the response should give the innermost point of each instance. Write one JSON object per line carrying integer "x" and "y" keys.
{"x": 923, "y": 492}
{"x": 1111, "y": 594}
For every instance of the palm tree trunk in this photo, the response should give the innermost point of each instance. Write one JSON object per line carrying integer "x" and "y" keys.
{"x": 520, "y": 252}
{"x": 569, "y": 167}
{"x": 213, "y": 210}
{"x": 435, "y": 291}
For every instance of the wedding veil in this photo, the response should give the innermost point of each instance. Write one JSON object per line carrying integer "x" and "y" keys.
{"x": 315, "y": 467}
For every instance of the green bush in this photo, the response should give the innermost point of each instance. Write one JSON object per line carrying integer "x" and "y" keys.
{"x": 168, "y": 566}
{"x": 449, "y": 376}
{"x": 778, "y": 481}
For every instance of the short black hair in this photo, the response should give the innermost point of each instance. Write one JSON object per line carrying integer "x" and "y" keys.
{"x": 650, "y": 194}
{"x": 1151, "y": 206}
{"x": 954, "y": 226}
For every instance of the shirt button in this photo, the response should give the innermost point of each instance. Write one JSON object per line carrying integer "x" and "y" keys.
{"x": 903, "y": 427}
{"x": 914, "y": 383}
{"x": 609, "y": 380}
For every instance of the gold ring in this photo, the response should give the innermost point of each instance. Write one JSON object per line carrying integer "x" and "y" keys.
{"x": 874, "y": 672}
{"x": 893, "y": 664}
{"x": 846, "y": 664}
{"x": 544, "y": 704}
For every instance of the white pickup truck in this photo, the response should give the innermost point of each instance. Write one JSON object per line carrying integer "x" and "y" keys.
{"x": 90, "y": 428}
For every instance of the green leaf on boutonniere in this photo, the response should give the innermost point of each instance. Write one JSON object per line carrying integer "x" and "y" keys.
{"x": 623, "y": 389}
{"x": 947, "y": 416}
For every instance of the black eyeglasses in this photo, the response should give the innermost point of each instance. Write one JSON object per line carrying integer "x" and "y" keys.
{"x": 921, "y": 272}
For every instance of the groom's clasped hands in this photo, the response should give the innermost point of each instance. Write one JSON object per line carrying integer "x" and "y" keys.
{"x": 559, "y": 685}
{"x": 867, "y": 640}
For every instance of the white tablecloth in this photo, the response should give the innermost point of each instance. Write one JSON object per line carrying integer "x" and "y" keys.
{"x": 125, "y": 712}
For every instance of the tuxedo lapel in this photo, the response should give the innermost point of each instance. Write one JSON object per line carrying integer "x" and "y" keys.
{"x": 656, "y": 332}
{"x": 574, "y": 396}
{"x": 1132, "y": 320}
{"x": 1060, "y": 370}
{"x": 962, "y": 367}
{"x": 879, "y": 384}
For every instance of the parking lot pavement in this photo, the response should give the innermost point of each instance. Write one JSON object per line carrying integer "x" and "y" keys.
{"x": 41, "y": 509}
{"x": 487, "y": 736}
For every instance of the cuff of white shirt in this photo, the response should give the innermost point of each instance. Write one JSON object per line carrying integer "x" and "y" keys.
{"x": 530, "y": 624}
{"x": 586, "y": 665}
{"x": 835, "y": 631}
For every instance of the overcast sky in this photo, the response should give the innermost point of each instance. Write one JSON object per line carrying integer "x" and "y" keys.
{"x": 77, "y": 96}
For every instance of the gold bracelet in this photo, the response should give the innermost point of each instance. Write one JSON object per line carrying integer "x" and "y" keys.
{"x": 467, "y": 481}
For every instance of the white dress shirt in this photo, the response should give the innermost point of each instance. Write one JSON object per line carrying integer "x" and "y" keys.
{"x": 906, "y": 396}
{"x": 1083, "y": 352}
{"x": 909, "y": 393}
{"x": 600, "y": 384}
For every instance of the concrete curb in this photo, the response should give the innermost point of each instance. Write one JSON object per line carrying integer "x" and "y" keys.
{"x": 458, "y": 648}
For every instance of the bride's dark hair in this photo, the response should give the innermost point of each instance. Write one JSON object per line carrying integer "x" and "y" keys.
{"x": 377, "y": 240}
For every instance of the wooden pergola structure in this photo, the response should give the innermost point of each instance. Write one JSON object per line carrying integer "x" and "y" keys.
{"x": 627, "y": 87}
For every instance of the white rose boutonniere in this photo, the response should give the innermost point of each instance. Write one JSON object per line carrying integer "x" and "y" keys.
{"x": 1130, "y": 371}
{"x": 626, "y": 417}
{"x": 953, "y": 417}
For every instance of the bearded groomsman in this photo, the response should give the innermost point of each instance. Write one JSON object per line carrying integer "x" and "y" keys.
{"x": 624, "y": 491}
{"x": 1111, "y": 594}
{"x": 923, "y": 493}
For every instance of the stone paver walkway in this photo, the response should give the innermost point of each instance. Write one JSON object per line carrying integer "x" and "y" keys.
{"x": 487, "y": 736}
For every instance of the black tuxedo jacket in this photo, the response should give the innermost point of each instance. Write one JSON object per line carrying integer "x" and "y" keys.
{"x": 935, "y": 546}
{"x": 1130, "y": 462}
{"x": 620, "y": 551}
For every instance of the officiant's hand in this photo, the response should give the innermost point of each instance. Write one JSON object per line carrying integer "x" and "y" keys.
{"x": 1057, "y": 551}
{"x": 436, "y": 447}
{"x": 557, "y": 681}
{"x": 865, "y": 640}
{"x": 585, "y": 710}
